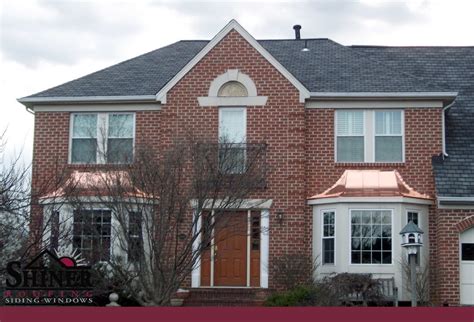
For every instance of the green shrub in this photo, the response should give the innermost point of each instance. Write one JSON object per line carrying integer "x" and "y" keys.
{"x": 296, "y": 297}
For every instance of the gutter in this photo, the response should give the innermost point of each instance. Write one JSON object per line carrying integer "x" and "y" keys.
{"x": 456, "y": 201}
{"x": 30, "y": 101}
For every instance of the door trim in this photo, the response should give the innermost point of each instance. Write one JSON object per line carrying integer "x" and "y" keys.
{"x": 264, "y": 254}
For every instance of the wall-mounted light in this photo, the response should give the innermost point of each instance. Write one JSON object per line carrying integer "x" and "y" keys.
{"x": 279, "y": 216}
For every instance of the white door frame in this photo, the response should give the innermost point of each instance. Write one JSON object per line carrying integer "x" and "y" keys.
{"x": 264, "y": 252}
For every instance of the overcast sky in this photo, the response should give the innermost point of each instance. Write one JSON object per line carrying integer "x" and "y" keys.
{"x": 46, "y": 43}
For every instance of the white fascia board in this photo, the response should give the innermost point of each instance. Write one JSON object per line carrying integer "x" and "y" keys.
{"x": 385, "y": 95}
{"x": 233, "y": 25}
{"x": 455, "y": 202}
{"x": 98, "y": 200}
{"x": 119, "y": 107}
{"x": 29, "y": 101}
{"x": 334, "y": 104}
{"x": 324, "y": 201}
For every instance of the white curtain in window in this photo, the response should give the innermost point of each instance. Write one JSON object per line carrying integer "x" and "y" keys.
{"x": 350, "y": 136}
{"x": 388, "y": 136}
{"x": 232, "y": 125}
{"x": 350, "y": 123}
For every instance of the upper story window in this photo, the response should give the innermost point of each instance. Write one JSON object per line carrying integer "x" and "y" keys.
{"x": 232, "y": 137}
{"x": 369, "y": 136}
{"x": 102, "y": 138}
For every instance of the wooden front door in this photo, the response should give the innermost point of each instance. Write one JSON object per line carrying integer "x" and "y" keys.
{"x": 230, "y": 253}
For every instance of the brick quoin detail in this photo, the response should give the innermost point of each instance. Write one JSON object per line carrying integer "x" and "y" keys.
{"x": 300, "y": 153}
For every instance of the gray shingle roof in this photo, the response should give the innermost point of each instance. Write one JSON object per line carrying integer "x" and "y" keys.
{"x": 453, "y": 69}
{"x": 327, "y": 67}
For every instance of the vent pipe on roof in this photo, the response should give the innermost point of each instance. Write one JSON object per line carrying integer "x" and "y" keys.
{"x": 297, "y": 29}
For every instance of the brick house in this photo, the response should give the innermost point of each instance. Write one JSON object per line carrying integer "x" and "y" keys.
{"x": 362, "y": 139}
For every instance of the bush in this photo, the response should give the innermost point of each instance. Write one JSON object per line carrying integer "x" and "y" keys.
{"x": 293, "y": 270}
{"x": 295, "y": 297}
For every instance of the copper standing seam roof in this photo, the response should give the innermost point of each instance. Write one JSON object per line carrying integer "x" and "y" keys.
{"x": 370, "y": 183}
{"x": 81, "y": 183}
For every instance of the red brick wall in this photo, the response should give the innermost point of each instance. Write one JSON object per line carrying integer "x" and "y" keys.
{"x": 300, "y": 142}
{"x": 450, "y": 225}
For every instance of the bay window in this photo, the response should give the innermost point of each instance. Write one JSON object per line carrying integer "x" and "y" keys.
{"x": 369, "y": 136}
{"x": 99, "y": 138}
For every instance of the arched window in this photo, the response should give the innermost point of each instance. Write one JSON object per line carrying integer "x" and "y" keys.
{"x": 232, "y": 89}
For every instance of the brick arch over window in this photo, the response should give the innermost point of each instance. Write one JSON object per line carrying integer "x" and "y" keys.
{"x": 232, "y": 76}
{"x": 465, "y": 224}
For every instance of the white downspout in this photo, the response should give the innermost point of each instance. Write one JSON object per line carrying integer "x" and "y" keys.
{"x": 443, "y": 126}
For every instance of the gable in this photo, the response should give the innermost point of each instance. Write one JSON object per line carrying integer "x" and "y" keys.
{"x": 233, "y": 26}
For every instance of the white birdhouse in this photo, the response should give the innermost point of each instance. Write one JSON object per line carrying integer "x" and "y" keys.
{"x": 412, "y": 237}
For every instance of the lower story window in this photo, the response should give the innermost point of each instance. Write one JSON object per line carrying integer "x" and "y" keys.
{"x": 371, "y": 236}
{"x": 328, "y": 237}
{"x": 135, "y": 237}
{"x": 91, "y": 234}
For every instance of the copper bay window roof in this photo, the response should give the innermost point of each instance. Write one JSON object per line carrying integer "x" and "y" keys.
{"x": 370, "y": 183}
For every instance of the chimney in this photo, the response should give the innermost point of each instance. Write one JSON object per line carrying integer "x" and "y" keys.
{"x": 297, "y": 29}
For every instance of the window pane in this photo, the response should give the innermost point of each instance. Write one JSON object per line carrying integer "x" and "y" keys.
{"x": 374, "y": 249}
{"x": 232, "y": 125}
{"x": 350, "y": 149}
{"x": 388, "y": 149}
{"x": 350, "y": 123}
{"x": 84, "y": 126}
{"x": 328, "y": 251}
{"x": 412, "y": 216}
{"x": 388, "y": 123}
{"x": 84, "y": 151}
{"x": 232, "y": 158}
{"x": 120, "y": 126}
{"x": 119, "y": 150}
{"x": 467, "y": 252}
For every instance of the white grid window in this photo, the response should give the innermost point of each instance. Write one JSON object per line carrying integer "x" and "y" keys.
{"x": 91, "y": 234}
{"x": 371, "y": 237}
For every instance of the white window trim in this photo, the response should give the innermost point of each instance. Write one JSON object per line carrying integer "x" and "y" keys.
{"x": 369, "y": 136}
{"x": 102, "y": 123}
{"x": 350, "y": 236}
{"x": 323, "y": 211}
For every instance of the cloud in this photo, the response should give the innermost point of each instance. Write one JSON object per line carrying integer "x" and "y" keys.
{"x": 62, "y": 32}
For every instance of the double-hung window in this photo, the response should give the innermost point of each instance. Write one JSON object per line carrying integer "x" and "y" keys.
{"x": 328, "y": 241}
{"x": 388, "y": 136}
{"x": 371, "y": 236}
{"x": 350, "y": 136}
{"x": 102, "y": 137}
{"x": 369, "y": 136}
{"x": 232, "y": 139}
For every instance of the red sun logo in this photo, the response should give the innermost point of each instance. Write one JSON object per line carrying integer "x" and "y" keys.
{"x": 67, "y": 261}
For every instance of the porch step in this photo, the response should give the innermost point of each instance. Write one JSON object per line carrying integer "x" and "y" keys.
{"x": 226, "y": 297}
